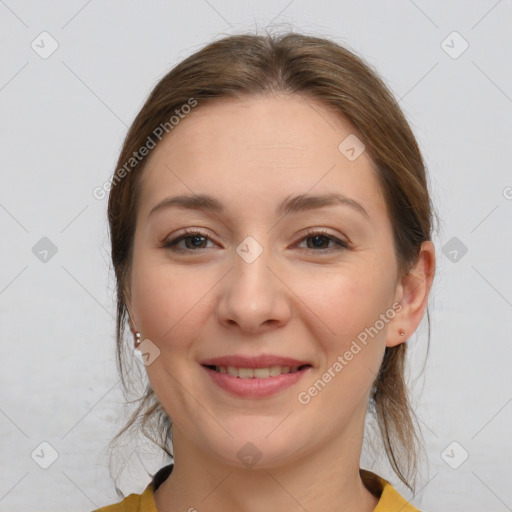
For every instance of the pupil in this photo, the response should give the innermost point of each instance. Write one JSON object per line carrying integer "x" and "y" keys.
{"x": 318, "y": 240}
{"x": 197, "y": 240}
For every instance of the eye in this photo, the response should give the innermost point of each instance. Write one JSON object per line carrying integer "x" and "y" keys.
{"x": 319, "y": 241}
{"x": 193, "y": 240}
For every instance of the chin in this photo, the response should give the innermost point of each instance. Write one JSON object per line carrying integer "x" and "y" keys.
{"x": 256, "y": 449}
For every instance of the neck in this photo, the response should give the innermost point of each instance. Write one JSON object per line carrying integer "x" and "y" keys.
{"x": 319, "y": 481}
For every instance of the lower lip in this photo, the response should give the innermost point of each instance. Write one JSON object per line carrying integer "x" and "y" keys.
{"x": 255, "y": 388}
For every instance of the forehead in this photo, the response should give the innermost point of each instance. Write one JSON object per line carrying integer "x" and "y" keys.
{"x": 271, "y": 146}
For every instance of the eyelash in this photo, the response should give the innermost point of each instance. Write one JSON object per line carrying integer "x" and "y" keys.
{"x": 172, "y": 244}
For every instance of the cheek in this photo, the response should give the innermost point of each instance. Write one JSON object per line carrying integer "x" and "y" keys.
{"x": 172, "y": 309}
{"x": 349, "y": 307}
{"x": 170, "y": 305}
{"x": 342, "y": 310}
{"x": 343, "y": 303}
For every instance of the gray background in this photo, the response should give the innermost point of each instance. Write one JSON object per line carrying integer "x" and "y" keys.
{"x": 62, "y": 122}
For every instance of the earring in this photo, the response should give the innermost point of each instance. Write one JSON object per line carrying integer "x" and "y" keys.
{"x": 401, "y": 332}
{"x": 137, "y": 338}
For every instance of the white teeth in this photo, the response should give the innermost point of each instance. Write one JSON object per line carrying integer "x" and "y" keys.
{"x": 275, "y": 371}
{"x": 257, "y": 373}
{"x": 245, "y": 373}
{"x": 261, "y": 373}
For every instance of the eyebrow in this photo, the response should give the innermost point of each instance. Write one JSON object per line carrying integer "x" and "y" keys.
{"x": 294, "y": 204}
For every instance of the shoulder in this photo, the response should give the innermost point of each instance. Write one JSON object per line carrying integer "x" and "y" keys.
{"x": 141, "y": 502}
{"x": 133, "y": 503}
{"x": 390, "y": 500}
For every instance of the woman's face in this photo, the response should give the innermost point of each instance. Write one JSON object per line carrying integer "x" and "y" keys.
{"x": 274, "y": 263}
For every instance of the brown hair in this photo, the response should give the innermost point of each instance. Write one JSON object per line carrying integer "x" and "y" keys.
{"x": 317, "y": 69}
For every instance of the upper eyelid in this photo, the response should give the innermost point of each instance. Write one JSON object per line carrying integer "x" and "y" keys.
{"x": 186, "y": 234}
{"x": 311, "y": 232}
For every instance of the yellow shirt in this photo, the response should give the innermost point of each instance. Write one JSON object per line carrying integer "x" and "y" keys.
{"x": 389, "y": 499}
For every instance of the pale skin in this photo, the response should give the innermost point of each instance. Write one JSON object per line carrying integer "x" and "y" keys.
{"x": 298, "y": 299}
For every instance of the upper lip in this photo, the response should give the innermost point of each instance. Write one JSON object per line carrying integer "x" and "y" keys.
{"x": 261, "y": 361}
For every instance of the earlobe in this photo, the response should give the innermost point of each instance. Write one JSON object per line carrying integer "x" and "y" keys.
{"x": 133, "y": 326}
{"x": 131, "y": 322}
{"x": 133, "y": 329}
{"x": 127, "y": 303}
{"x": 396, "y": 336}
{"x": 413, "y": 292}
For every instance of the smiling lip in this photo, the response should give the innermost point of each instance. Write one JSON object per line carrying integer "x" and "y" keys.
{"x": 255, "y": 387}
{"x": 262, "y": 361}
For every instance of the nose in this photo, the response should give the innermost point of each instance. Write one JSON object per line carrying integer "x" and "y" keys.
{"x": 253, "y": 297}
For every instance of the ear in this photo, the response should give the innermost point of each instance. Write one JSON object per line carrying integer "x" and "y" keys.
{"x": 131, "y": 323}
{"x": 412, "y": 292}
{"x": 127, "y": 301}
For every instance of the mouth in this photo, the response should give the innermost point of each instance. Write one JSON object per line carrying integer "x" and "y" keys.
{"x": 256, "y": 373}
{"x": 255, "y": 377}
